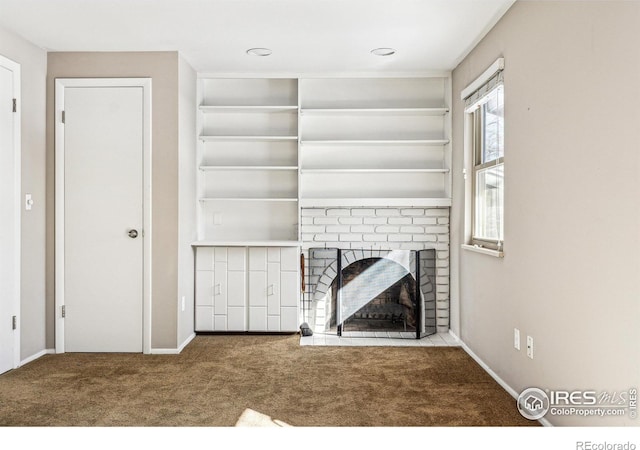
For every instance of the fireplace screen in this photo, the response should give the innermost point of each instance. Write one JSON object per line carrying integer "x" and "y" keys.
{"x": 352, "y": 291}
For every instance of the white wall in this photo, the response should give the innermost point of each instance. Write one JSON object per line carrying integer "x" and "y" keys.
{"x": 570, "y": 273}
{"x": 187, "y": 227}
{"x": 33, "y": 67}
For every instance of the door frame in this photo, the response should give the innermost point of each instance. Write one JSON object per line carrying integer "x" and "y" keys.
{"x": 14, "y": 67}
{"x": 60, "y": 85}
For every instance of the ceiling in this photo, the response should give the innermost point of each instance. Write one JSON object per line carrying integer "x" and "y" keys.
{"x": 306, "y": 36}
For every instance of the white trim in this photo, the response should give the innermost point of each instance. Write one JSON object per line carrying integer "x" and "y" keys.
{"x": 482, "y": 250}
{"x": 14, "y": 67}
{"x": 494, "y": 375}
{"x": 41, "y": 353}
{"x": 164, "y": 351}
{"x": 454, "y": 336}
{"x": 60, "y": 84}
{"x": 497, "y": 66}
{"x": 186, "y": 342}
{"x": 173, "y": 351}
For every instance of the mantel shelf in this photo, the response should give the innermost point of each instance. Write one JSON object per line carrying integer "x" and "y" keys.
{"x": 361, "y": 170}
{"x": 247, "y": 108}
{"x": 391, "y": 111}
{"x": 248, "y": 138}
{"x": 380, "y": 202}
{"x": 221, "y": 168}
{"x": 377, "y": 142}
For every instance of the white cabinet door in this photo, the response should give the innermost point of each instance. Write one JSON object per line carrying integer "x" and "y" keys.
{"x": 236, "y": 301}
{"x": 289, "y": 295}
{"x": 204, "y": 293}
{"x": 223, "y": 276}
{"x": 237, "y": 318}
{"x": 220, "y": 296}
{"x": 268, "y": 284}
{"x": 257, "y": 300}
{"x": 237, "y": 258}
{"x": 257, "y": 289}
{"x": 289, "y": 301}
{"x": 289, "y": 318}
{"x": 204, "y": 300}
{"x": 218, "y": 289}
{"x": 204, "y": 258}
{"x": 273, "y": 288}
{"x": 204, "y": 288}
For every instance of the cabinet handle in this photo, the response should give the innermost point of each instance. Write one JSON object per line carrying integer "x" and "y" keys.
{"x": 270, "y": 289}
{"x": 217, "y": 290}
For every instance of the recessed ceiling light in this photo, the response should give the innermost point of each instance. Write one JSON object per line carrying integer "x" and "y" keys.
{"x": 384, "y": 51}
{"x": 259, "y": 51}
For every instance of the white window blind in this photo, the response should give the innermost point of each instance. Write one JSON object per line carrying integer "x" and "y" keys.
{"x": 481, "y": 95}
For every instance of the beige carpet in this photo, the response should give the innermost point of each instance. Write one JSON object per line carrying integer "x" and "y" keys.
{"x": 227, "y": 380}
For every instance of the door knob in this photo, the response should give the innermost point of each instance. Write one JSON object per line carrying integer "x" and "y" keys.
{"x": 133, "y": 234}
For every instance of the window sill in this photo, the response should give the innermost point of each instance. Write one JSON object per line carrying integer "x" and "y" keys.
{"x": 484, "y": 251}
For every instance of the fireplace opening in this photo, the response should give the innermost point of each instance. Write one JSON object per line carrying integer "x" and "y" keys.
{"x": 387, "y": 304}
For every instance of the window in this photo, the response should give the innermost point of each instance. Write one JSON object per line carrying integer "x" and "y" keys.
{"x": 485, "y": 120}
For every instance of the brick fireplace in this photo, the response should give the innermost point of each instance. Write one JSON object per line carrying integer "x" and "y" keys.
{"x": 364, "y": 236}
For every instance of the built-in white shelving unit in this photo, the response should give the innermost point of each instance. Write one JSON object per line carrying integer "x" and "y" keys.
{"x": 248, "y": 164}
{"x": 375, "y": 142}
{"x": 270, "y": 146}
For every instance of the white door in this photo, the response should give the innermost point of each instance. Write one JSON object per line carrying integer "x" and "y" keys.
{"x": 103, "y": 218}
{"x": 9, "y": 216}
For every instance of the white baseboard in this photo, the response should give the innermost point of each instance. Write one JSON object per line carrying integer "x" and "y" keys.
{"x": 186, "y": 342}
{"x": 172, "y": 351}
{"x": 41, "y": 353}
{"x": 164, "y": 351}
{"x": 494, "y": 375}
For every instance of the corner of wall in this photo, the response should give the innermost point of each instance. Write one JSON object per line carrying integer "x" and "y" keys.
{"x": 187, "y": 173}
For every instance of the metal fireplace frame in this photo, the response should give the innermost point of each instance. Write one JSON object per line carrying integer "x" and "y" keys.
{"x": 420, "y": 304}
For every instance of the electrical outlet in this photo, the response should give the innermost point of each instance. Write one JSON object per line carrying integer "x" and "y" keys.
{"x": 530, "y": 347}
{"x": 184, "y": 303}
{"x": 516, "y": 339}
